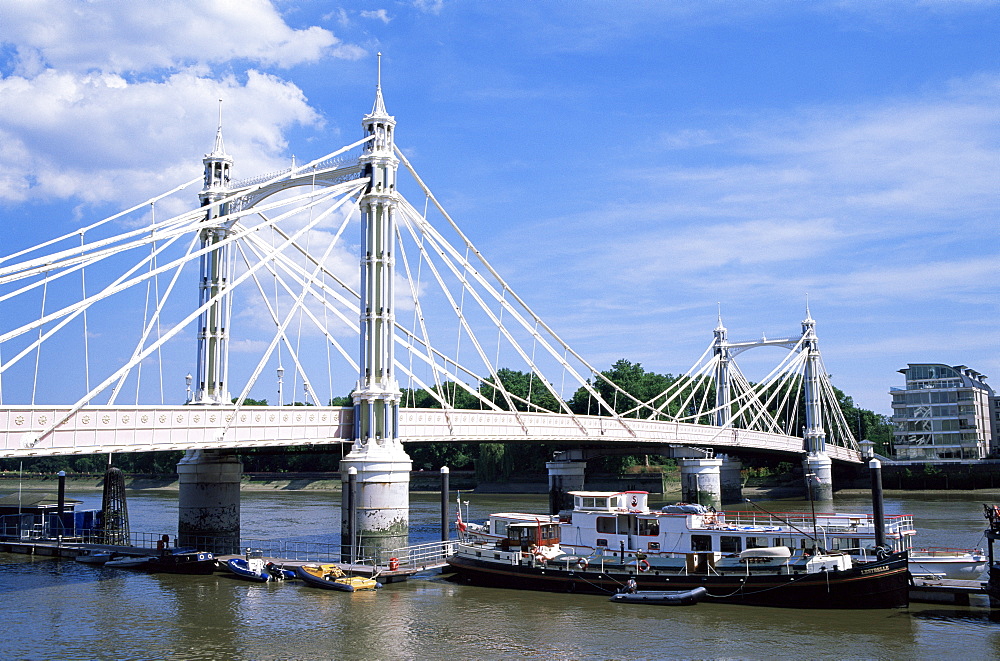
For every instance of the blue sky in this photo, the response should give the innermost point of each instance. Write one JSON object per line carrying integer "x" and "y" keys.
{"x": 627, "y": 166}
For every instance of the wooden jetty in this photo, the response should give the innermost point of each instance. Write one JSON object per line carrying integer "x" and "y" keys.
{"x": 946, "y": 590}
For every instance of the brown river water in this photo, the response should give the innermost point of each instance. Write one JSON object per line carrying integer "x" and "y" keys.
{"x": 59, "y": 609}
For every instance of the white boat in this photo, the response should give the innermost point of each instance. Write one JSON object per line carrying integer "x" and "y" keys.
{"x": 622, "y": 522}
{"x": 126, "y": 562}
{"x": 948, "y": 563}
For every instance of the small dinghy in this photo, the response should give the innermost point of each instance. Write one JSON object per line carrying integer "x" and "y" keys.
{"x": 662, "y": 597}
{"x": 332, "y": 577}
{"x": 94, "y": 557}
{"x": 252, "y": 567}
{"x": 130, "y": 562}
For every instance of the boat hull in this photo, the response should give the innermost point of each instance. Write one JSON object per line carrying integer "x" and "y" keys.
{"x": 883, "y": 584}
{"x": 183, "y": 562}
{"x": 239, "y": 567}
{"x": 318, "y": 577}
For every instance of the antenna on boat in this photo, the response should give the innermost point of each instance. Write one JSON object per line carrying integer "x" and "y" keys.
{"x": 787, "y": 522}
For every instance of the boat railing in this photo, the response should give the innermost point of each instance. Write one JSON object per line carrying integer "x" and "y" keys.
{"x": 897, "y": 524}
{"x": 426, "y": 555}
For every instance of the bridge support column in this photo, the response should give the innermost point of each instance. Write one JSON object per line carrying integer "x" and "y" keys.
{"x": 382, "y": 501}
{"x": 563, "y": 476}
{"x": 208, "y": 508}
{"x": 818, "y": 469}
{"x": 731, "y": 480}
{"x": 700, "y": 481}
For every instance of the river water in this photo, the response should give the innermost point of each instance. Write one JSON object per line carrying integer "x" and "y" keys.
{"x": 59, "y": 609}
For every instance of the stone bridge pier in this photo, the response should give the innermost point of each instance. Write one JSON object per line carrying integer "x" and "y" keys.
{"x": 208, "y": 506}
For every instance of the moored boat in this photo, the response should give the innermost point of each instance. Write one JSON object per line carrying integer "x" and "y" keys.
{"x": 253, "y": 567}
{"x": 94, "y": 557}
{"x": 622, "y": 521}
{"x": 531, "y": 557}
{"x": 332, "y": 577}
{"x": 129, "y": 562}
{"x": 182, "y": 561}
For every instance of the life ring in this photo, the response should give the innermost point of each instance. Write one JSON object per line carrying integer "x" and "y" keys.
{"x": 582, "y": 563}
{"x": 643, "y": 565}
{"x": 393, "y": 564}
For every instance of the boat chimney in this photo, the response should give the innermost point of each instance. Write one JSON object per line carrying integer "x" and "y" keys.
{"x": 878, "y": 506}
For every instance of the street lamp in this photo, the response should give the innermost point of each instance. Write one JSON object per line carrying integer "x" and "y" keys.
{"x": 187, "y": 380}
{"x": 867, "y": 449}
{"x": 281, "y": 374}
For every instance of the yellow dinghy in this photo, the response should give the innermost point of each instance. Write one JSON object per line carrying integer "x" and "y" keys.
{"x": 332, "y": 577}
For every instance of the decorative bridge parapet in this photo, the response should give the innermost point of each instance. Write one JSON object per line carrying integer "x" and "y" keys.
{"x": 29, "y": 432}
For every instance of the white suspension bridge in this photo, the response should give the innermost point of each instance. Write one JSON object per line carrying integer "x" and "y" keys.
{"x": 103, "y": 317}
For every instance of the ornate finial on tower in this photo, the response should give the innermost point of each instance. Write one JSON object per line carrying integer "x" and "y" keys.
{"x": 808, "y": 323}
{"x": 378, "y": 110}
{"x": 720, "y": 326}
{"x": 218, "y": 168}
{"x": 220, "y": 148}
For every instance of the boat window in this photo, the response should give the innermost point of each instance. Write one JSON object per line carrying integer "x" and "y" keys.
{"x": 756, "y": 542}
{"x": 701, "y": 543}
{"x": 500, "y": 528}
{"x": 607, "y": 525}
{"x": 653, "y": 546}
{"x": 601, "y": 542}
{"x": 845, "y": 543}
{"x": 785, "y": 541}
{"x": 729, "y": 544}
{"x": 649, "y": 527}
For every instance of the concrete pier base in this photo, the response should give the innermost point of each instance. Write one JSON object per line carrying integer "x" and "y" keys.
{"x": 820, "y": 465}
{"x": 701, "y": 481}
{"x": 731, "y": 480}
{"x": 564, "y": 476}
{"x": 382, "y": 501}
{"x": 208, "y": 507}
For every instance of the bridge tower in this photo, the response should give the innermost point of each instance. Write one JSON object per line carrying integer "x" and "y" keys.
{"x": 383, "y": 467}
{"x": 209, "y": 480}
{"x": 817, "y": 464}
{"x": 721, "y": 349}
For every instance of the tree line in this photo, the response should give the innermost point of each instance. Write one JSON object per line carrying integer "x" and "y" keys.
{"x": 493, "y": 462}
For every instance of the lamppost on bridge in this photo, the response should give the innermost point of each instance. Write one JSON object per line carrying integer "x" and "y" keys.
{"x": 187, "y": 380}
{"x": 281, "y": 375}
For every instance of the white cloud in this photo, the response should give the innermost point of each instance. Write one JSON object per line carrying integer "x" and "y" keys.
{"x": 378, "y": 15}
{"x": 97, "y": 137}
{"x": 142, "y": 35}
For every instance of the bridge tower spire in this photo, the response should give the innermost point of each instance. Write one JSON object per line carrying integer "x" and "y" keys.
{"x": 213, "y": 324}
{"x": 383, "y": 467}
{"x": 817, "y": 464}
{"x": 721, "y": 349}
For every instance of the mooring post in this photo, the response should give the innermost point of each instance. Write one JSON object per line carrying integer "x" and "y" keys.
{"x": 444, "y": 504}
{"x": 62, "y": 494}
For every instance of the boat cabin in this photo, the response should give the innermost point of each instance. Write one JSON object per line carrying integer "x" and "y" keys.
{"x": 524, "y": 536}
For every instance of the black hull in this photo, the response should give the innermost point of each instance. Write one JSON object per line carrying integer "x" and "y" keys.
{"x": 883, "y": 584}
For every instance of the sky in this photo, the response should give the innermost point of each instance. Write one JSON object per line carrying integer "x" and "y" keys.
{"x": 631, "y": 168}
